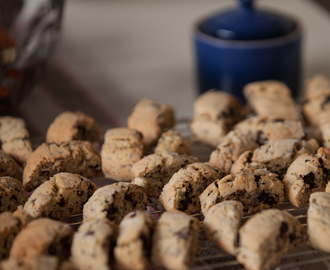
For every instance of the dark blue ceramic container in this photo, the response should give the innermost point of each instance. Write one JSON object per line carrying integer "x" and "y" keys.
{"x": 227, "y": 59}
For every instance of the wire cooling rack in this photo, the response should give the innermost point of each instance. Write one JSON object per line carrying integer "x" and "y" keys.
{"x": 213, "y": 257}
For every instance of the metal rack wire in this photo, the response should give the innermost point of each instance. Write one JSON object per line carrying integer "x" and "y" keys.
{"x": 213, "y": 257}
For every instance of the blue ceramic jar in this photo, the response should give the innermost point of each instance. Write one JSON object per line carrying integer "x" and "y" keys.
{"x": 243, "y": 45}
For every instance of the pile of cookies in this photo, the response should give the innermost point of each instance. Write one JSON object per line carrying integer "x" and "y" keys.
{"x": 262, "y": 154}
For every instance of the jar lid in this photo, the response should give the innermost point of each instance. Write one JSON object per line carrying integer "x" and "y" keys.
{"x": 247, "y": 23}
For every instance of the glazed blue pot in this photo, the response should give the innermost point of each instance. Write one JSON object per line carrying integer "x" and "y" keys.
{"x": 244, "y": 45}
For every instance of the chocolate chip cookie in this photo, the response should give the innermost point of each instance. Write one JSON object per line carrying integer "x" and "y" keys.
{"x": 183, "y": 190}
{"x": 257, "y": 189}
{"x": 133, "y": 249}
{"x": 92, "y": 246}
{"x": 62, "y": 196}
{"x": 121, "y": 149}
{"x": 115, "y": 201}
{"x": 154, "y": 171}
{"x": 79, "y": 157}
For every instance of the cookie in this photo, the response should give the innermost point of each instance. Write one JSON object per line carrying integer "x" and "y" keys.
{"x": 217, "y": 105}
{"x": 62, "y": 196}
{"x": 277, "y": 156}
{"x": 151, "y": 118}
{"x": 39, "y": 263}
{"x": 208, "y": 131}
{"x": 317, "y": 87}
{"x": 265, "y": 129}
{"x": 266, "y": 236}
{"x": 43, "y": 237}
{"x": 175, "y": 241}
{"x": 257, "y": 189}
{"x": 10, "y": 225}
{"x": 318, "y": 220}
{"x": 221, "y": 224}
{"x": 133, "y": 249}
{"x": 215, "y": 112}
{"x": 12, "y": 194}
{"x": 271, "y": 98}
{"x": 79, "y": 157}
{"x": 306, "y": 175}
{"x": 121, "y": 149}
{"x": 15, "y": 138}
{"x": 154, "y": 171}
{"x": 92, "y": 246}
{"x": 172, "y": 141}
{"x": 115, "y": 201}
{"x": 8, "y": 166}
{"x": 230, "y": 148}
{"x": 70, "y": 126}
{"x": 183, "y": 190}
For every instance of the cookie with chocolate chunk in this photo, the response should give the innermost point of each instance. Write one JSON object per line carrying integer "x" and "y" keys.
{"x": 266, "y": 236}
{"x": 62, "y": 196}
{"x": 43, "y": 237}
{"x": 70, "y": 126}
{"x": 133, "y": 247}
{"x": 8, "y": 166}
{"x": 122, "y": 148}
{"x": 10, "y": 225}
{"x": 172, "y": 141}
{"x": 115, "y": 201}
{"x": 79, "y": 157}
{"x": 183, "y": 190}
{"x": 12, "y": 194}
{"x": 257, "y": 189}
{"x": 15, "y": 138}
{"x": 318, "y": 219}
{"x": 221, "y": 224}
{"x": 151, "y": 118}
{"x": 271, "y": 98}
{"x": 175, "y": 241}
{"x": 231, "y": 147}
{"x": 154, "y": 171}
{"x": 306, "y": 175}
{"x": 93, "y": 244}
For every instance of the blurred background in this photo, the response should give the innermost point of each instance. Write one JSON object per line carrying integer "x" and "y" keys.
{"x": 112, "y": 53}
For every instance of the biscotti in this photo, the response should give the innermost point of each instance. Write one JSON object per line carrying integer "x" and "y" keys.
{"x": 12, "y": 194}
{"x": 154, "y": 171}
{"x": 121, "y": 149}
{"x": 221, "y": 224}
{"x": 62, "y": 196}
{"x": 15, "y": 138}
{"x": 10, "y": 225}
{"x": 79, "y": 157}
{"x": 69, "y": 126}
{"x": 43, "y": 237}
{"x": 133, "y": 249}
{"x": 151, "y": 118}
{"x": 172, "y": 141}
{"x": 271, "y": 98}
{"x": 115, "y": 201}
{"x": 266, "y": 236}
{"x": 175, "y": 241}
{"x": 92, "y": 246}
{"x": 306, "y": 175}
{"x": 8, "y": 166}
{"x": 183, "y": 190}
{"x": 257, "y": 189}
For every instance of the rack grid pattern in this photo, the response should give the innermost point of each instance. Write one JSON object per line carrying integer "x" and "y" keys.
{"x": 213, "y": 257}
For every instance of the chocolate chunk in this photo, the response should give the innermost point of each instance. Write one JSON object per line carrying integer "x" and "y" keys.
{"x": 216, "y": 184}
{"x": 266, "y": 198}
{"x": 309, "y": 180}
{"x": 284, "y": 228}
{"x": 80, "y": 193}
{"x": 110, "y": 212}
{"x": 62, "y": 202}
{"x": 13, "y": 197}
{"x": 261, "y": 138}
{"x": 249, "y": 157}
{"x": 182, "y": 235}
{"x": 257, "y": 179}
{"x": 89, "y": 233}
{"x": 238, "y": 240}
